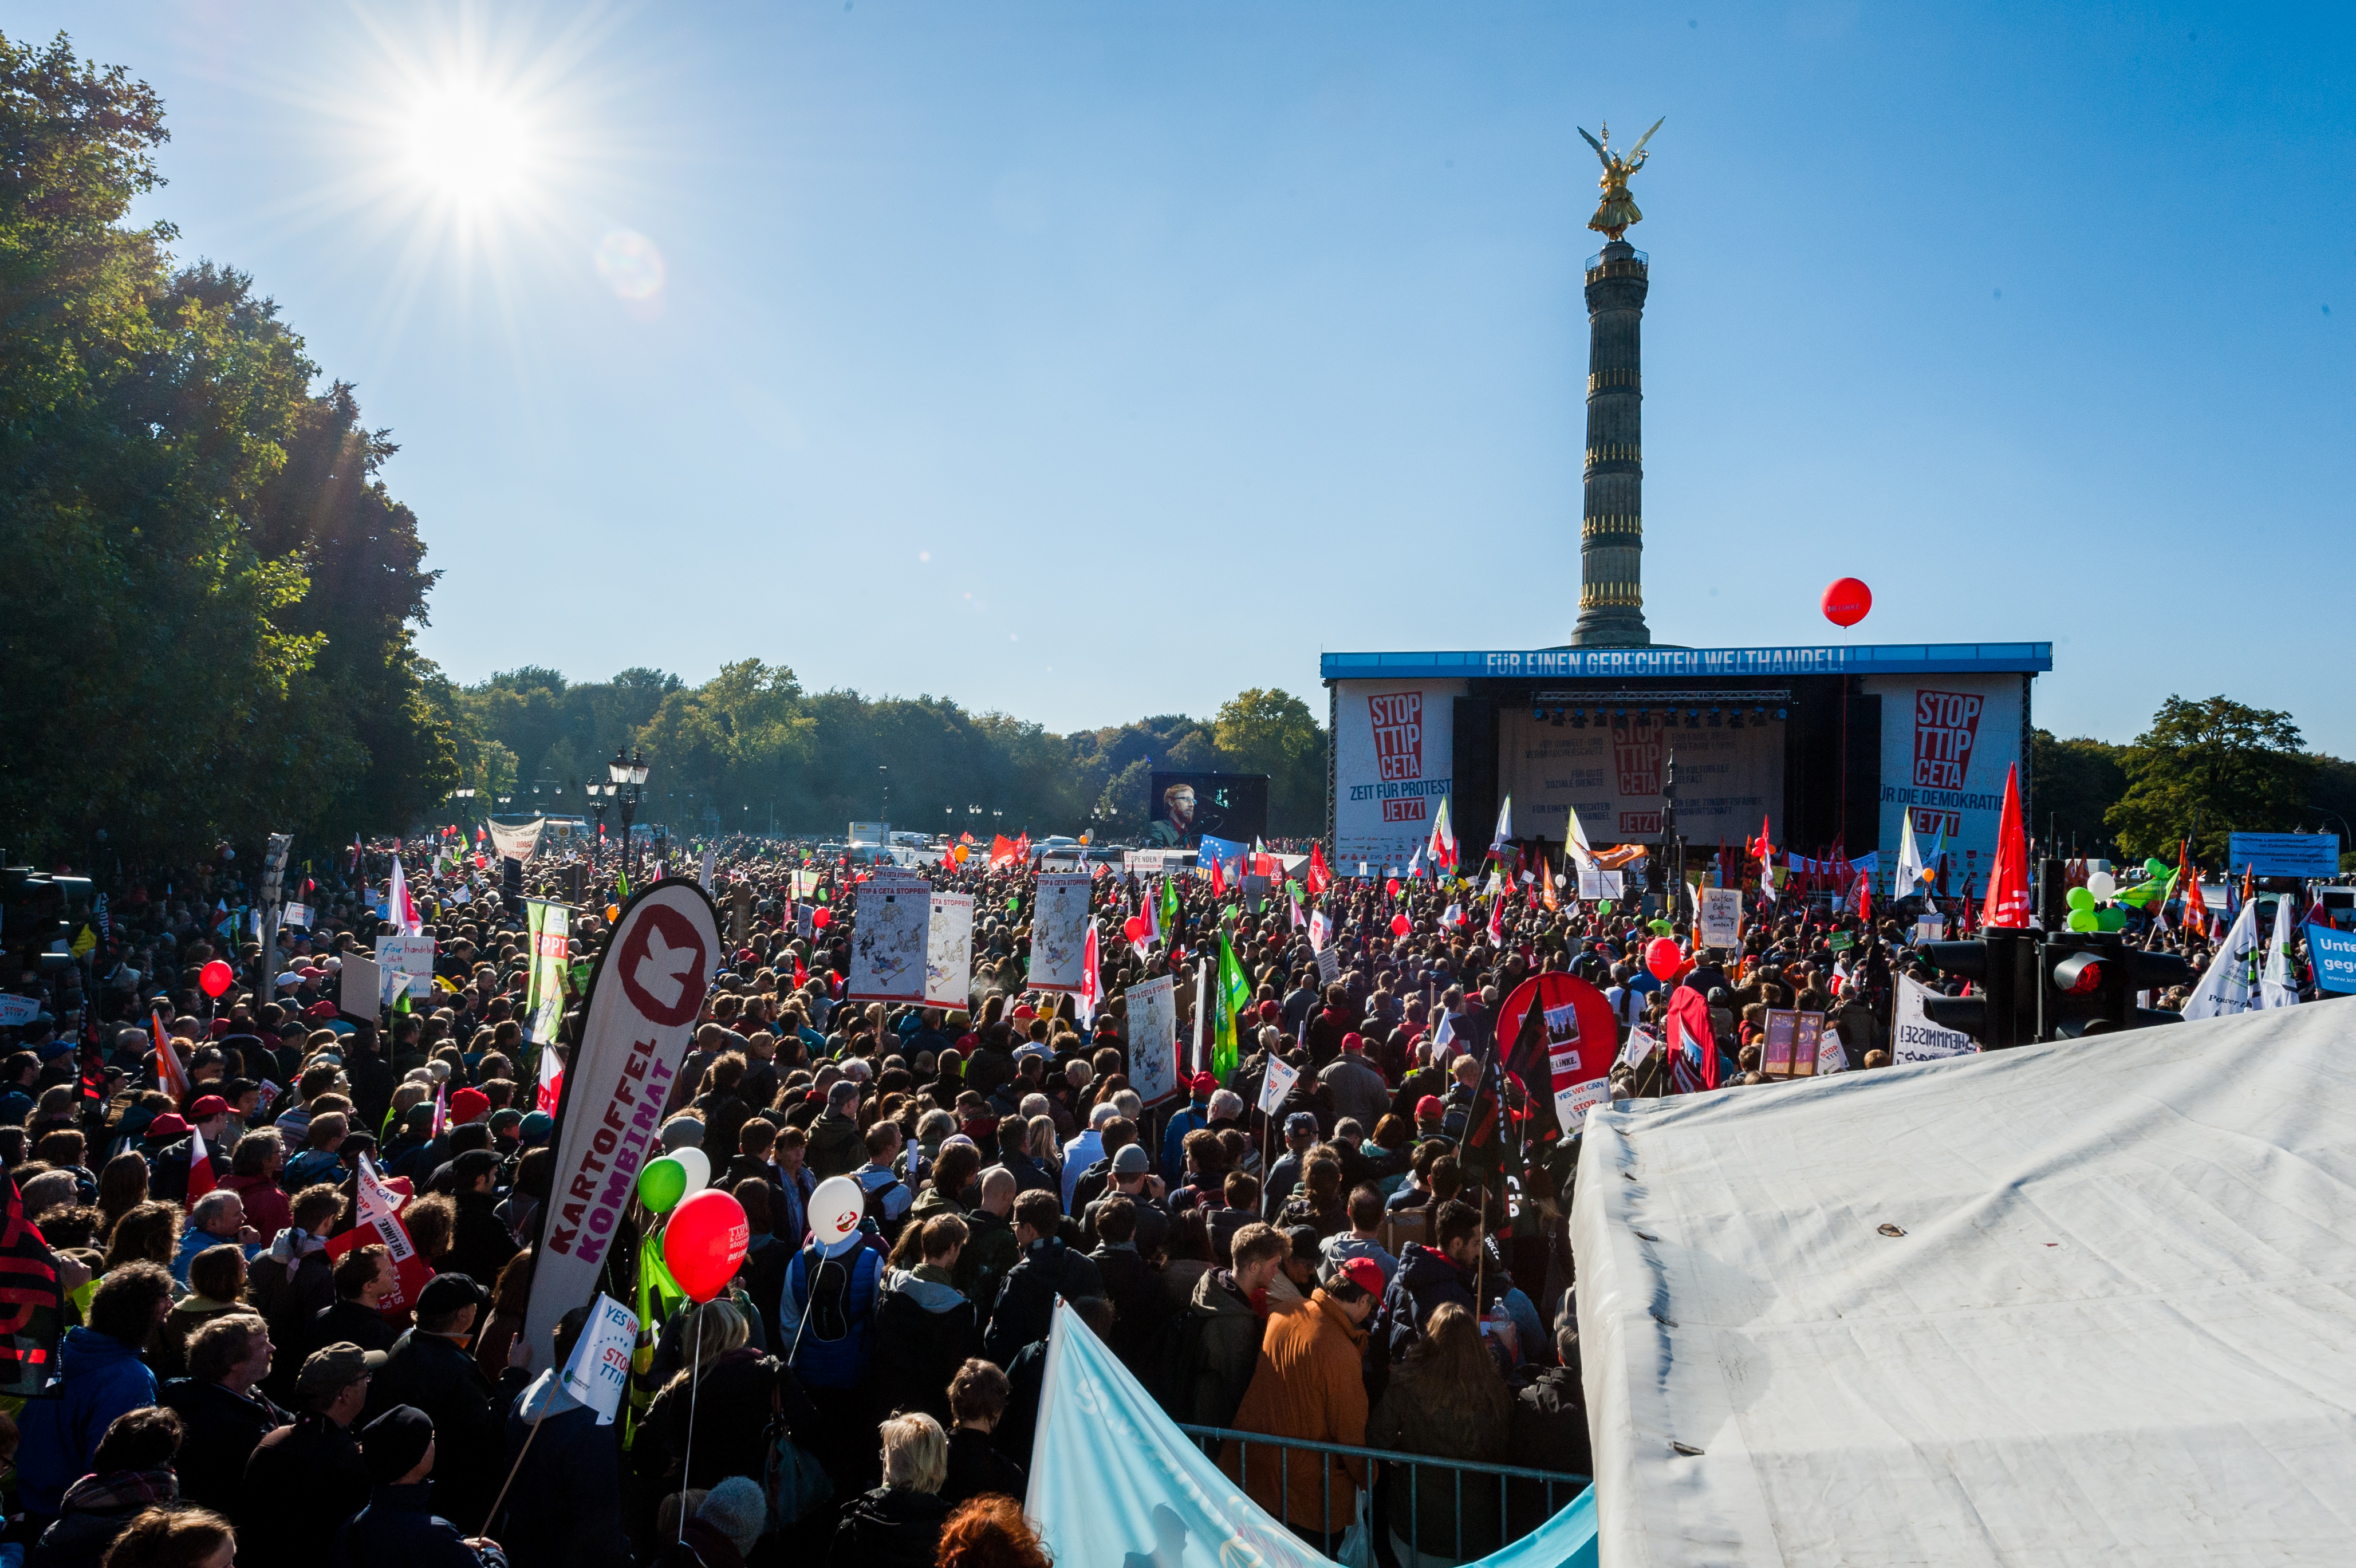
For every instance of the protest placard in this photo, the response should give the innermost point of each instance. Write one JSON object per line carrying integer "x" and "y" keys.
{"x": 1153, "y": 1038}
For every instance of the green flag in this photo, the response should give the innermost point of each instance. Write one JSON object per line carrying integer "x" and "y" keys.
{"x": 1169, "y": 905}
{"x": 1234, "y": 992}
{"x": 624, "y": 895}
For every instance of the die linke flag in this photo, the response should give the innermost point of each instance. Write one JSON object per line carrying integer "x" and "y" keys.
{"x": 2007, "y": 894}
{"x": 1319, "y": 878}
{"x": 1002, "y": 852}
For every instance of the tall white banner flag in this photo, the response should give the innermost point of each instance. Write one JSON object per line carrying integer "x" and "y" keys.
{"x": 1153, "y": 1038}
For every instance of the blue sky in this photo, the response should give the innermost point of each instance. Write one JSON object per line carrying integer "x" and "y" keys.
{"x": 1095, "y": 359}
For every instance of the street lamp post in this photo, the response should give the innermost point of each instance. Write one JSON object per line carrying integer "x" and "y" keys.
{"x": 630, "y": 771}
{"x": 885, "y": 771}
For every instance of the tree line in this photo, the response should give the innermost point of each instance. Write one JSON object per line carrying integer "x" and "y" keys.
{"x": 750, "y": 750}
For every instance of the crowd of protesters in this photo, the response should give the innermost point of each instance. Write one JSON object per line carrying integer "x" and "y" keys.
{"x": 1380, "y": 1261}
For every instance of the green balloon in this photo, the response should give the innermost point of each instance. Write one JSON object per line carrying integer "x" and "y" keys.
{"x": 2082, "y": 898}
{"x": 2110, "y": 918}
{"x": 2083, "y": 920}
{"x": 662, "y": 1183}
{"x": 1015, "y": 900}
{"x": 2155, "y": 867}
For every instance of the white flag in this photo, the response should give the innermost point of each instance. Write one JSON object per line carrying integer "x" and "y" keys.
{"x": 599, "y": 1375}
{"x": 1278, "y": 1083}
{"x": 1909, "y": 858}
{"x": 1505, "y": 833}
{"x": 2225, "y": 987}
{"x": 2280, "y": 988}
{"x": 1577, "y": 845}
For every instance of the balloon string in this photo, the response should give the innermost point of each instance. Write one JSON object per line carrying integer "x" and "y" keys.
{"x": 695, "y": 1387}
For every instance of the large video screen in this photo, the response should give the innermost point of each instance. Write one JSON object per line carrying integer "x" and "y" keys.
{"x": 1184, "y": 806}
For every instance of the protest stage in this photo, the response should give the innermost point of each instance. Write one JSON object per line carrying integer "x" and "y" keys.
{"x": 2056, "y": 1305}
{"x": 1831, "y": 746}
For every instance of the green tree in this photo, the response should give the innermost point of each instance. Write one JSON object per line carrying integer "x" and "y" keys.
{"x": 2078, "y": 781}
{"x": 2205, "y": 769}
{"x": 1273, "y": 732}
{"x": 212, "y": 598}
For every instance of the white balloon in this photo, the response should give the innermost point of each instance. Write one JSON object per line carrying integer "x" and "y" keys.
{"x": 835, "y": 1209}
{"x": 2103, "y": 886}
{"x": 699, "y": 1168}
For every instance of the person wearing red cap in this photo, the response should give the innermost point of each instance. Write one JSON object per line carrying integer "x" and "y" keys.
{"x": 1196, "y": 1115}
{"x": 468, "y": 1105}
{"x": 1309, "y": 1384}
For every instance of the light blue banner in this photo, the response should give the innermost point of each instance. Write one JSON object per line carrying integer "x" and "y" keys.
{"x": 2334, "y": 953}
{"x": 1114, "y": 1483}
{"x": 2284, "y": 854}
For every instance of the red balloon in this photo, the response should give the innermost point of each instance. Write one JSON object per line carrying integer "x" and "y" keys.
{"x": 1400, "y": 925}
{"x": 1846, "y": 602}
{"x": 1664, "y": 958}
{"x": 1391, "y": 887}
{"x": 1134, "y": 928}
{"x": 823, "y": 919}
{"x": 704, "y": 1241}
{"x": 215, "y": 979}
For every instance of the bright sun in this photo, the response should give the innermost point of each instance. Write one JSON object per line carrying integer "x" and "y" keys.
{"x": 468, "y": 147}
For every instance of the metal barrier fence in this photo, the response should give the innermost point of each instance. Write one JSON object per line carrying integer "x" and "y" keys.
{"x": 1210, "y": 1438}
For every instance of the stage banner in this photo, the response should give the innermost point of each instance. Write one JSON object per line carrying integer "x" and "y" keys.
{"x": 650, "y": 985}
{"x": 1727, "y": 779}
{"x": 551, "y": 940}
{"x": 412, "y": 956}
{"x": 894, "y": 919}
{"x": 1568, "y": 1046}
{"x": 1914, "y": 1038}
{"x": 1153, "y": 1038}
{"x": 949, "y": 952}
{"x": 1059, "y": 931}
{"x": 518, "y": 842}
{"x": 1722, "y": 918}
{"x": 2334, "y": 952}
{"x": 1394, "y": 760}
{"x": 1946, "y": 743}
{"x": 2312, "y": 855}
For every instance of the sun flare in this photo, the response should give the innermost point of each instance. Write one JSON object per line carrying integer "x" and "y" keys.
{"x": 467, "y": 146}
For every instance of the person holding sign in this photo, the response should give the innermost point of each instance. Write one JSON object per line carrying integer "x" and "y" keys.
{"x": 563, "y": 1507}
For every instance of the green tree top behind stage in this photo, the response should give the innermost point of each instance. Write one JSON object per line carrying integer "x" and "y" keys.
{"x": 2206, "y": 769}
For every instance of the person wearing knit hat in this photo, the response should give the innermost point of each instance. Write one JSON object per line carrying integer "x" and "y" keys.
{"x": 468, "y": 1105}
{"x": 399, "y": 1527}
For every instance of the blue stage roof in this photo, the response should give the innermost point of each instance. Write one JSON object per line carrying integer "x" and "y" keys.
{"x": 1690, "y": 663}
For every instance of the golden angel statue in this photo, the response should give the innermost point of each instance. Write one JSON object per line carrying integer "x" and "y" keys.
{"x": 1616, "y": 211}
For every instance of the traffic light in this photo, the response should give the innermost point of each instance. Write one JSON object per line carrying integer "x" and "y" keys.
{"x": 1998, "y": 1014}
{"x": 2087, "y": 984}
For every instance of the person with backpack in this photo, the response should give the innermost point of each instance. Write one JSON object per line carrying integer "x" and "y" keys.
{"x": 826, "y": 1319}
{"x": 888, "y": 1198}
{"x": 924, "y": 1327}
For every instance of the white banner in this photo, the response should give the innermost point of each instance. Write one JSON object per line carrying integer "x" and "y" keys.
{"x": 949, "y": 952}
{"x": 1277, "y": 1084}
{"x": 412, "y": 956}
{"x": 518, "y": 842}
{"x": 1722, "y": 918}
{"x": 1059, "y": 931}
{"x": 17, "y": 1010}
{"x": 649, "y": 989}
{"x": 1914, "y": 1038}
{"x": 703, "y": 871}
{"x": 1153, "y": 1038}
{"x": 891, "y": 920}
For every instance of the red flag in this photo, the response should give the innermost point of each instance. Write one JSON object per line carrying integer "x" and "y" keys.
{"x": 2196, "y": 907}
{"x": 1864, "y": 897}
{"x": 169, "y": 1074}
{"x": 1319, "y": 878}
{"x": 1218, "y": 879}
{"x": 1091, "y": 984}
{"x": 200, "y": 1168}
{"x": 2007, "y": 894}
{"x": 1497, "y": 918}
{"x": 1002, "y": 852}
{"x": 801, "y": 972}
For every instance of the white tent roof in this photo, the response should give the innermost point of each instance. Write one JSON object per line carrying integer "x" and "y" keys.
{"x": 2119, "y": 1326}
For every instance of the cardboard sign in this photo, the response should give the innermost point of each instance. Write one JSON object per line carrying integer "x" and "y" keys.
{"x": 1795, "y": 1040}
{"x": 1153, "y": 1038}
{"x": 360, "y": 988}
{"x": 412, "y": 956}
{"x": 1720, "y": 922}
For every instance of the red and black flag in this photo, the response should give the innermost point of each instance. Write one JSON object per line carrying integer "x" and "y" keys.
{"x": 32, "y": 1301}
